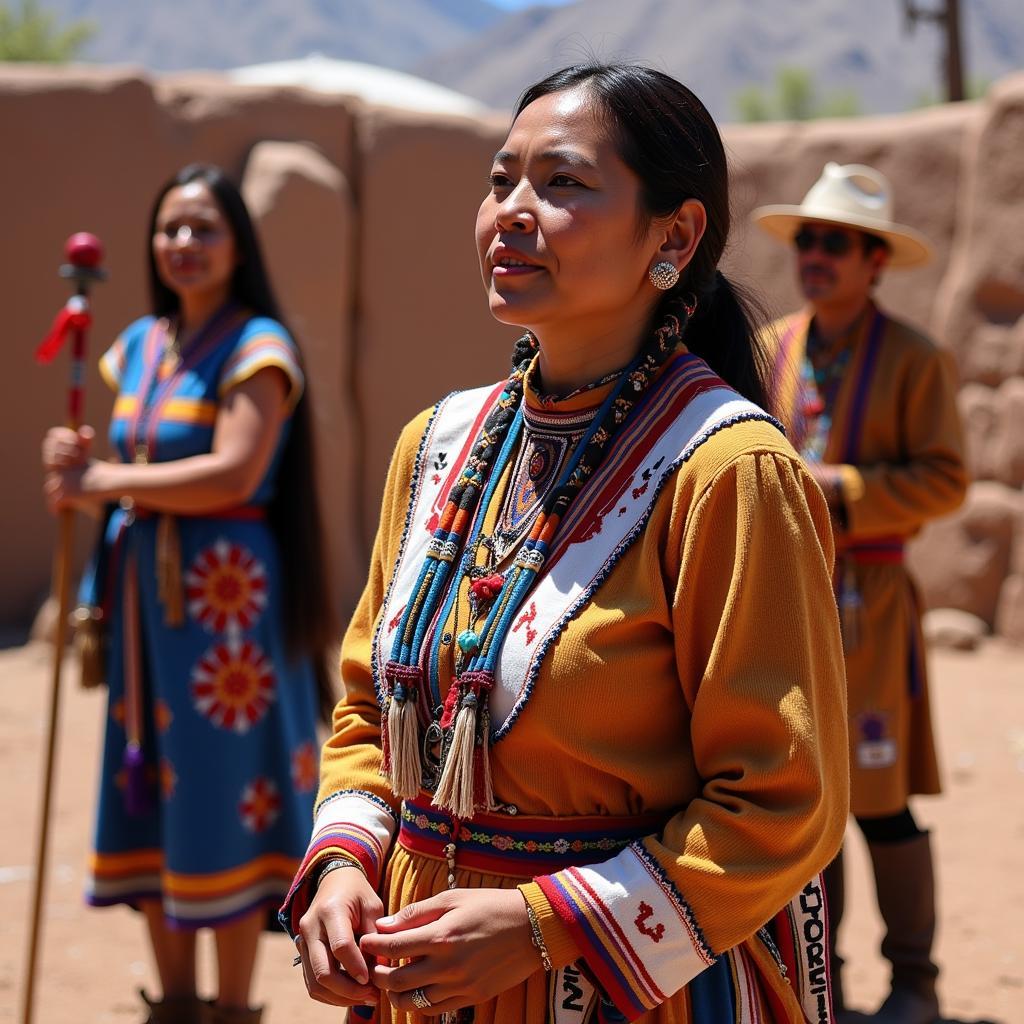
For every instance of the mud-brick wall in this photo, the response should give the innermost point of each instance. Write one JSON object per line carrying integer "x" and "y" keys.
{"x": 366, "y": 215}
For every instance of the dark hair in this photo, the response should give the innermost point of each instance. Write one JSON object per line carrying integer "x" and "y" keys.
{"x": 293, "y": 511}
{"x": 666, "y": 136}
{"x": 872, "y": 242}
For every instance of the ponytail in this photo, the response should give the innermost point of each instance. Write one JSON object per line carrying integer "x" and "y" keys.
{"x": 293, "y": 513}
{"x": 722, "y": 332}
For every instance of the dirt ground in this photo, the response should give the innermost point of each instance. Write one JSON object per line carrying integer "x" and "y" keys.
{"x": 94, "y": 960}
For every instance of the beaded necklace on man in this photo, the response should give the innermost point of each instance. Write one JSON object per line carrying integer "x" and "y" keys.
{"x": 463, "y": 727}
{"x": 821, "y": 375}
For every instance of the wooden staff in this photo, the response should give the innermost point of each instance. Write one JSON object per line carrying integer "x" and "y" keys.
{"x": 84, "y": 254}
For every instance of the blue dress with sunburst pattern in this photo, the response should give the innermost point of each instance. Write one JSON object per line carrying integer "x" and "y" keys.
{"x": 210, "y": 759}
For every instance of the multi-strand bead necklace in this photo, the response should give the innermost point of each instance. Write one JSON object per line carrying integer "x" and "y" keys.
{"x": 463, "y": 777}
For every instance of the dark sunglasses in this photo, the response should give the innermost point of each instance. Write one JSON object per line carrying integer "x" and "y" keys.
{"x": 833, "y": 242}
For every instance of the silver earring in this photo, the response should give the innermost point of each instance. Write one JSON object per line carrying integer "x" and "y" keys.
{"x": 663, "y": 275}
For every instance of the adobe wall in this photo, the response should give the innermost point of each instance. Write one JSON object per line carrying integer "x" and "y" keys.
{"x": 87, "y": 149}
{"x": 367, "y": 218}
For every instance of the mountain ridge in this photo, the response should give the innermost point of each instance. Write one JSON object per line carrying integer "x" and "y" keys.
{"x": 720, "y": 49}
{"x": 198, "y": 34}
{"x": 491, "y": 55}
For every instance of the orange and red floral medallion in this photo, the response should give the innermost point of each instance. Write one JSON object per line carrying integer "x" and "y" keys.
{"x": 226, "y": 587}
{"x": 233, "y": 685}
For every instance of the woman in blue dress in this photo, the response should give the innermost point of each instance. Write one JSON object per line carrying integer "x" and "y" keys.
{"x": 210, "y": 580}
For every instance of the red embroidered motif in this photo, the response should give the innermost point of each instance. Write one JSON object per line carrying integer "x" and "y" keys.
{"x": 647, "y": 474}
{"x": 591, "y": 527}
{"x": 260, "y": 805}
{"x": 646, "y": 912}
{"x": 436, "y": 478}
{"x": 397, "y": 620}
{"x": 526, "y": 619}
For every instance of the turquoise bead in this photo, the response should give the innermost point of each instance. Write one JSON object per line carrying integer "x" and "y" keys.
{"x": 468, "y": 641}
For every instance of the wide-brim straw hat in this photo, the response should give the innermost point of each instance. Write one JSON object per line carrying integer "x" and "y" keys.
{"x": 854, "y": 196}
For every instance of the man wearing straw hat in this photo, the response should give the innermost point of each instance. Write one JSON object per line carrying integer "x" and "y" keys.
{"x": 871, "y": 404}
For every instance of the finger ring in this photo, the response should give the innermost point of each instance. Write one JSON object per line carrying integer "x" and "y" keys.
{"x": 420, "y": 1000}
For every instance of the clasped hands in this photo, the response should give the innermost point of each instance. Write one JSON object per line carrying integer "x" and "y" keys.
{"x": 461, "y": 947}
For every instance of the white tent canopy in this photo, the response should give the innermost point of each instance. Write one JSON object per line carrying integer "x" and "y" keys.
{"x": 367, "y": 81}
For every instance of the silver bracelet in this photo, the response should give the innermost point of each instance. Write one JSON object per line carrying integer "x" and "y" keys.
{"x": 335, "y": 865}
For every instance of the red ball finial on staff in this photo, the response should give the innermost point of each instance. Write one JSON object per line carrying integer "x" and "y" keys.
{"x": 84, "y": 249}
{"x": 84, "y": 254}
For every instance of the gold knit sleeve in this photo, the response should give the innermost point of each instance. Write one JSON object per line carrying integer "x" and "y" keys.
{"x": 929, "y": 478}
{"x": 760, "y": 665}
{"x": 760, "y": 660}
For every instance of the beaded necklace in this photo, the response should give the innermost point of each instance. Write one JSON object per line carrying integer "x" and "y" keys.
{"x": 821, "y": 374}
{"x": 548, "y": 440}
{"x": 463, "y": 726}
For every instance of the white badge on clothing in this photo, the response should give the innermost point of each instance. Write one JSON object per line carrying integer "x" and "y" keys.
{"x": 874, "y": 748}
{"x": 570, "y": 996}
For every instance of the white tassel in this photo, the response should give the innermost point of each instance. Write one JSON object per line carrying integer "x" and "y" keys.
{"x": 403, "y": 739}
{"x": 455, "y": 787}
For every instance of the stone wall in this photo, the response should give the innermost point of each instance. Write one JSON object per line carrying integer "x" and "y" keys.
{"x": 975, "y": 559}
{"x": 367, "y": 215}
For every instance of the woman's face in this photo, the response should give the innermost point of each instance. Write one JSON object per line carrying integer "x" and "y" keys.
{"x": 193, "y": 244}
{"x": 557, "y": 233}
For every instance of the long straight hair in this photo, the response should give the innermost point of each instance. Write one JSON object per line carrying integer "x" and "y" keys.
{"x": 666, "y": 136}
{"x": 293, "y": 511}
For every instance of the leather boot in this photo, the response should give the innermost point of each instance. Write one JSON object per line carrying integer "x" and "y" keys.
{"x": 175, "y": 1010}
{"x": 905, "y": 886}
{"x": 214, "y": 1014}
